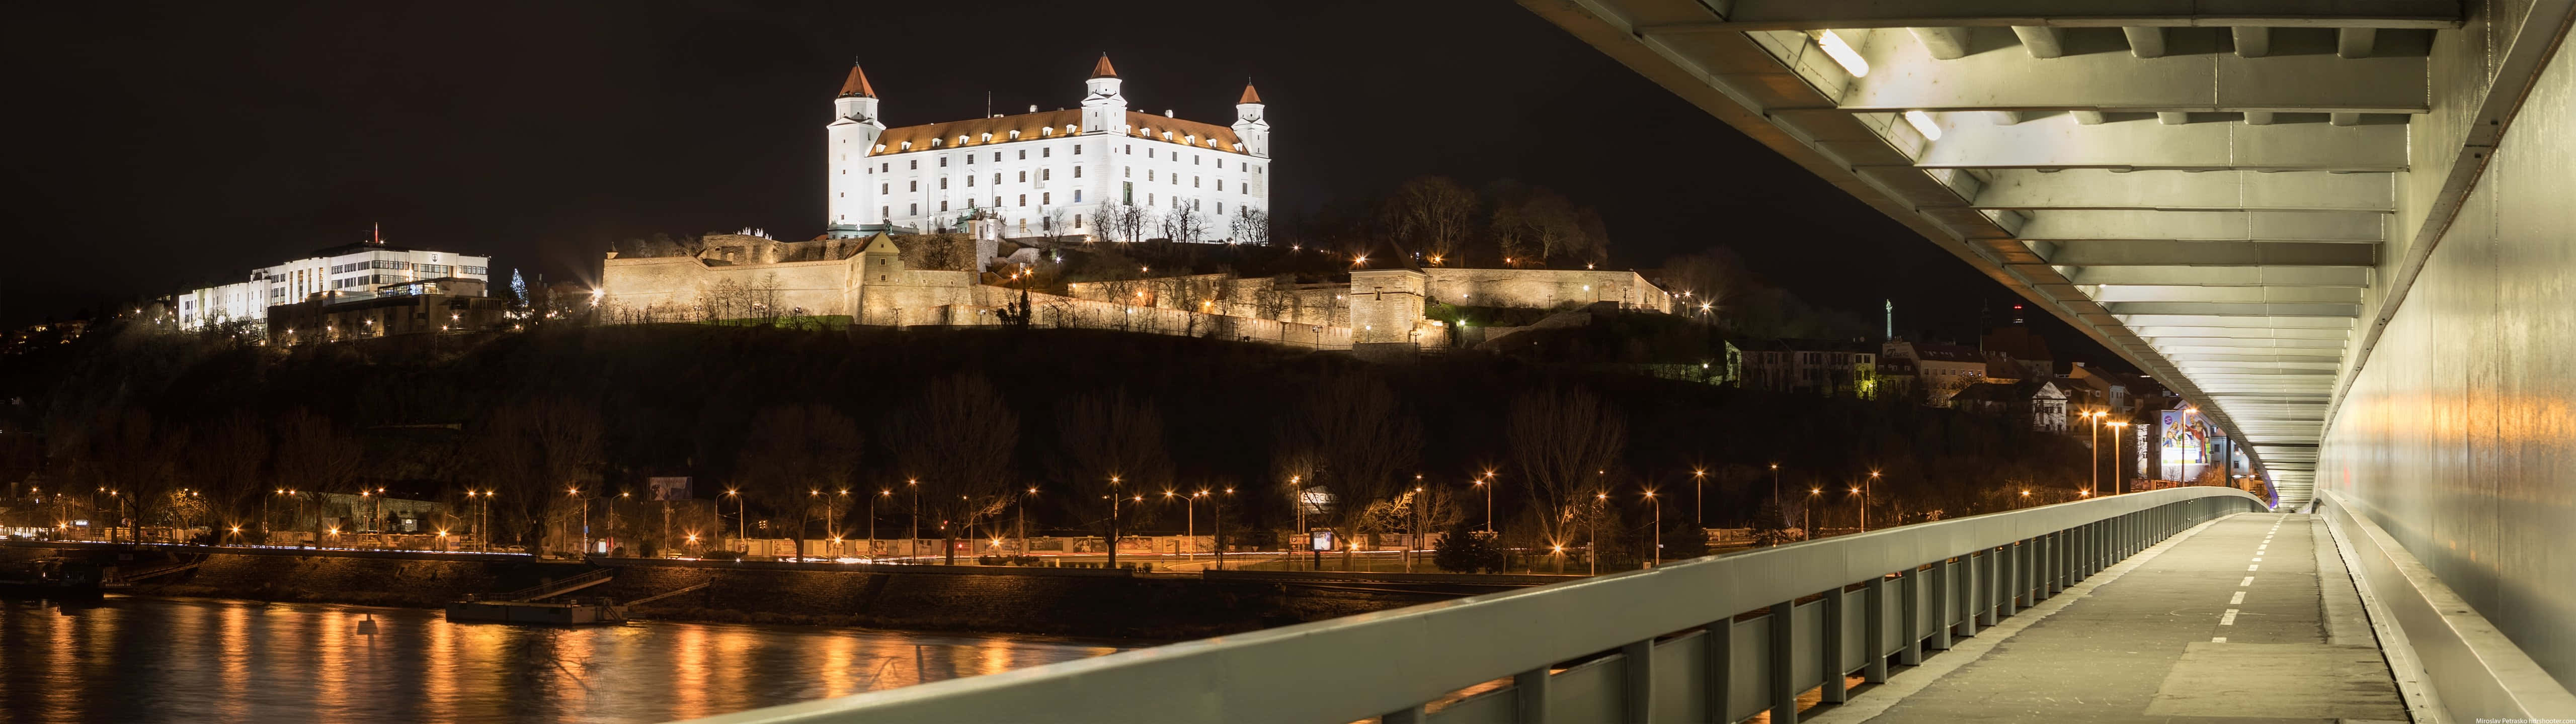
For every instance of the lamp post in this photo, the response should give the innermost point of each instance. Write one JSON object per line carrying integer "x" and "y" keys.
{"x": 1297, "y": 491}
{"x": 1024, "y": 521}
{"x": 1814, "y": 495}
{"x": 1865, "y": 486}
{"x": 575, "y": 495}
{"x": 1219, "y": 521}
{"x": 1592, "y": 543}
{"x": 2093, "y": 451}
{"x": 872, "y": 521}
{"x": 1113, "y": 520}
{"x": 835, "y": 526}
{"x": 2119, "y": 479}
{"x": 910, "y": 543}
{"x": 1699, "y": 497}
{"x": 1659, "y": 528}
{"x": 1489, "y": 501}
{"x": 741, "y": 520}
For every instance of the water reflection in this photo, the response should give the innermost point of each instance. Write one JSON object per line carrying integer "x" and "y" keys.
{"x": 159, "y": 660}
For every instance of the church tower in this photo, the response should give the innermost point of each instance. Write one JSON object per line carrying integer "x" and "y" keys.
{"x": 1249, "y": 125}
{"x": 850, "y": 138}
{"x": 1103, "y": 110}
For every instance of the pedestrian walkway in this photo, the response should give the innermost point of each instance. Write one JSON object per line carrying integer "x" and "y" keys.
{"x": 2231, "y": 622}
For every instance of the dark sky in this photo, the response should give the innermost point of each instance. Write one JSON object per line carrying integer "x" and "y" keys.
{"x": 158, "y": 147}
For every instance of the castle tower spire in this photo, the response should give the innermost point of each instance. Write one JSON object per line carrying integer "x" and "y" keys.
{"x": 1250, "y": 123}
{"x": 1103, "y": 108}
{"x": 848, "y": 141}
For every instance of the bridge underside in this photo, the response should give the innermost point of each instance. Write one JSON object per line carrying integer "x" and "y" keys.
{"x": 2225, "y": 194}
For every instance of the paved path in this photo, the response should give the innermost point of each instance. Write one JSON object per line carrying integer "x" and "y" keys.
{"x": 2230, "y": 624}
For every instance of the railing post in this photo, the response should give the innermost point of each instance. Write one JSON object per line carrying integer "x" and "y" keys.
{"x": 1957, "y": 580}
{"x": 1529, "y": 696}
{"x": 1720, "y": 645}
{"x": 1912, "y": 654}
{"x": 1874, "y": 632}
{"x": 2008, "y": 600}
{"x": 1831, "y": 655}
{"x": 1983, "y": 574}
{"x": 1638, "y": 660}
{"x": 1782, "y": 686}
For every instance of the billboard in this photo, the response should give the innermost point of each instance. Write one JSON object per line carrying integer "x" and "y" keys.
{"x": 2186, "y": 445}
{"x": 668, "y": 489}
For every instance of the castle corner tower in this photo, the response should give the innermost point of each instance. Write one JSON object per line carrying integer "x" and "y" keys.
{"x": 852, "y": 136}
{"x": 1103, "y": 108}
{"x": 1249, "y": 123}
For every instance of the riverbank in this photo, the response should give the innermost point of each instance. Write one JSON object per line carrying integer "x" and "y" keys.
{"x": 976, "y": 599}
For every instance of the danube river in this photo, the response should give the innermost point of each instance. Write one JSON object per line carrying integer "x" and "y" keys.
{"x": 204, "y": 660}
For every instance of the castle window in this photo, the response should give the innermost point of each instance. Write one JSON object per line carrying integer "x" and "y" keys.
{"x": 997, "y": 201}
{"x": 1046, "y": 153}
{"x": 1187, "y": 139}
{"x": 943, "y": 206}
{"x": 1046, "y": 198}
{"x": 880, "y": 147}
{"x": 970, "y": 181}
{"x": 934, "y": 143}
{"x": 1131, "y": 149}
{"x": 1048, "y": 131}
{"x": 943, "y": 162}
{"x": 1024, "y": 199}
{"x": 907, "y": 145}
{"x": 943, "y": 182}
{"x": 885, "y": 211}
{"x": 883, "y": 167}
{"x": 1024, "y": 154}
{"x": 970, "y": 158}
{"x": 1149, "y": 174}
{"x": 986, "y": 137}
{"x": 1126, "y": 172}
{"x": 1194, "y": 182}
{"x": 997, "y": 179}
{"x": 1194, "y": 159}
{"x": 1149, "y": 154}
{"x": 1015, "y": 134}
{"x": 914, "y": 164}
{"x": 1077, "y": 198}
{"x": 1077, "y": 217}
{"x": 1046, "y": 174}
{"x": 912, "y": 210}
{"x": 1068, "y": 128}
{"x": 1077, "y": 172}
{"x": 961, "y": 138}
{"x": 1220, "y": 184}
{"x": 1024, "y": 177}
{"x": 1220, "y": 208}
{"x": 997, "y": 157}
{"x": 1077, "y": 149}
{"x": 885, "y": 188}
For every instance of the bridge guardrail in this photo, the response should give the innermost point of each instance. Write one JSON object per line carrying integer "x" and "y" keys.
{"x": 2473, "y": 671}
{"x": 1683, "y": 642}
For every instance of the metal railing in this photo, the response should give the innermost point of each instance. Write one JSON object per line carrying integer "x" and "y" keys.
{"x": 1708, "y": 639}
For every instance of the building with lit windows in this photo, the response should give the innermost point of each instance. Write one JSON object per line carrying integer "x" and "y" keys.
{"x": 348, "y": 272}
{"x": 1047, "y": 172}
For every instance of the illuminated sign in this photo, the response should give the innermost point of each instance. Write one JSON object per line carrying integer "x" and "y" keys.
{"x": 1320, "y": 539}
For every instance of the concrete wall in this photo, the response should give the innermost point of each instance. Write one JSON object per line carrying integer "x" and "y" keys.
{"x": 2458, "y": 435}
{"x": 1544, "y": 288}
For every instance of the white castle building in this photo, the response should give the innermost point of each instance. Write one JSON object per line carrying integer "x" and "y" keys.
{"x": 1031, "y": 171}
{"x": 348, "y": 272}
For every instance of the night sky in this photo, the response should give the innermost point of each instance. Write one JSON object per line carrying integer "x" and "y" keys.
{"x": 160, "y": 148}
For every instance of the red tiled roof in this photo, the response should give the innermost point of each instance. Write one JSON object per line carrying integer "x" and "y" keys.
{"x": 1248, "y": 95}
{"x": 1050, "y": 124}
{"x": 1102, "y": 69}
{"x": 857, "y": 84}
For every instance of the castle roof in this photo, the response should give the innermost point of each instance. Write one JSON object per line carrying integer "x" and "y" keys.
{"x": 1050, "y": 124}
{"x": 881, "y": 243}
{"x": 857, "y": 84}
{"x": 1102, "y": 69}
{"x": 1248, "y": 95}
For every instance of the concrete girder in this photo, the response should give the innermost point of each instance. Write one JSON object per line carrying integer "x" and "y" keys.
{"x": 2252, "y": 41}
{"x": 2026, "y": 189}
{"x": 2338, "y": 327}
{"x": 2145, "y": 41}
{"x": 2223, "y": 275}
{"x": 2182, "y": 358}
{"x": 2355, "y": 41}
{"x": 2041, "y": 41}
{"x": 2204, "y": 225}
{"x": 2169, "y": 253}
{"x": 1943, "y": 43}
{"x": 1899, "y": 64}
{"x": 2233, "y": 345}
{"x": 2247, "y": 309}
{"x": 2255, "y": 365}
{"x": 2258, "y": 118}
{"x": 2137, "y": 145}
{"x": 1750, "y": 15}
{"x": 2111, "y": 294}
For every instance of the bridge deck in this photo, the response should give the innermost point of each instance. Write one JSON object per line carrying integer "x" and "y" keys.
{"x": 2229, "y": 624}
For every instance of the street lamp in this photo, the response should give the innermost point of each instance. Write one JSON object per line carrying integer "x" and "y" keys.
{"x": 1699, "y": 497}
{"x": 1659, "y": 528}
{"x": 1024, "y": 519}
{"x": 741, "y": 520}
{"x": 1219, "y": 521}
{"x": 1297, "y": 488}
{"x": 1865, "y": 486}
{"x": 1592, "y": 545}
{"x": 1113, "y": 520}
{"x": 2093, "y": 451}
{"x": 909, "y": 550}
{"x": 1814, "y": 495}
{"x": 2119, "y": 478}
{"x": 1489, "y": 501}
{"x": 872, "y": 521}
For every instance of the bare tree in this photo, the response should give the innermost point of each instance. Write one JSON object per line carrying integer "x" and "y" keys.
{"x": 959, "y": 437}
{"x": 225, "y": 463}
{"x": 1361, "y": 443}
{"x": 1126, "y": 222}
{"x": 134, "y": 459}
{"x": 1251, "y": 226}
{"x": 1433, "y": 213}
{"x": 313, "y": 459}
{"x": 536, "y": 454}
{"x": 1186, "y": 226}
{"x": 1532, "y": 224}
{"x": 1563, "y": 441}
{"x": 1110, "y": 446}
{"x": 1059, "y": 226}
{"x": 800, "y": 459}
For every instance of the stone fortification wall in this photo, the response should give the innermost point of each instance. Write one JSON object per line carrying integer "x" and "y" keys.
{"x": 906, "y": 298}
{"x": 1218, "y": 294}
{"x": 1056, "y": 311}
{"x": 1544, "y": 288}
{"x": 672, "y": 288}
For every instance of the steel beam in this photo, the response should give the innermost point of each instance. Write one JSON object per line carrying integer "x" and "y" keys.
{"x": 2223, "y": 275}
{"x": 2254, "y": 309}
{"x": 1899, "y": 63}
{"x": 2025, "y": 188}
{"x": 2146, "y": 145}
{"x": 1747, "y": 15}
{"x": 2146, "y": 292}
{"x": 2168, "y": 253}
{"x": 2204, "y": 225}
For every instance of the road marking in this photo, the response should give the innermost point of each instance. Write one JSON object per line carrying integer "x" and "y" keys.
{"x": 2253, "y": 567}
{"x": 2249, "y": 580}
{"x": 2218, "y": 639}
{"x": 2258, "y": 559}
{"x": 2240, "y": 598}
{"x": 2229, "y": 619}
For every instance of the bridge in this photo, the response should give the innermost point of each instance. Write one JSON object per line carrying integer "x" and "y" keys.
{"x": 2343, "y": 229}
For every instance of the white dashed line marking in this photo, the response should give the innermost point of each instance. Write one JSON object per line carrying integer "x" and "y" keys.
{"x": 2218, "y": 639}
{"x": 2258, "y": 559}
{"x": 2257, "y": 566}
{"x": 2229, "y": 619}
{"x": 2249, "y": 580}
{"x": 2240, "y": 598}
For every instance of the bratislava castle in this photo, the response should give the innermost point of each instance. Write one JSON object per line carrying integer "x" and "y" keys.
{"x": 1031, "y": 171}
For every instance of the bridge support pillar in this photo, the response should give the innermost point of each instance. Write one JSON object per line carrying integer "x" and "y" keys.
{"x": 1912, "y": 654}
{"x": 1529, "y": 696}
{"x": 1874, "y": 632}
{"x": 1781, "y": 685}
{"x": 1837, "y": 620}
{"x": 1720, "y": 648}
{"x": 1638, "y": 663}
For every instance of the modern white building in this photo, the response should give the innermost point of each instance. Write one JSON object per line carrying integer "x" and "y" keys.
{"x": 351, "y": 271}
{"x": 1029, "y": 173}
